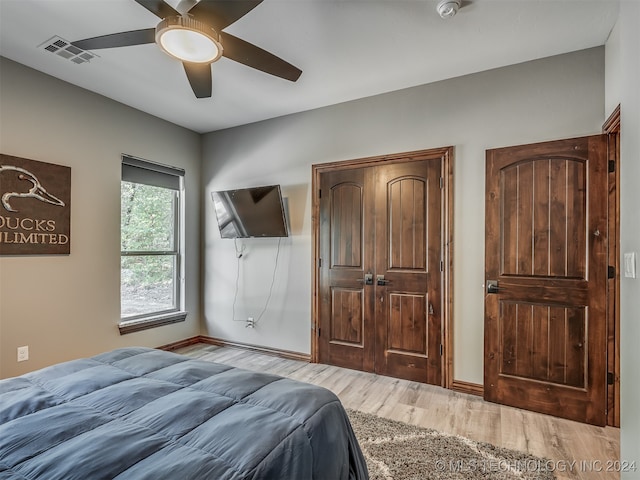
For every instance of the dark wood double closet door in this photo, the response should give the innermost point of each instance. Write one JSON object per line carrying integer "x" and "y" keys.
{"x": 379, "y": 279}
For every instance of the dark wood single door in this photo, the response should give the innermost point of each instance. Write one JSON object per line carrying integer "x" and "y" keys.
{"x": 379, "y": 278}
{"x": 546, "y": 277}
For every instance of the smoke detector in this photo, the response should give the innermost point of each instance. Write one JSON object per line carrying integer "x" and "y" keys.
{"x": 448, "y": 8}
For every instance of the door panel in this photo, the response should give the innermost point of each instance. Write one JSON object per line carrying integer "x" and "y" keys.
{"x": 543, "y": 343}
{"x": 546, "y": 229}
{"x": 346, "y": 308}
{"x": 408, "y": 245}
{"x": 347, "y": 320}
{"x": 407, "y": 332}
{"x": 407, "y": 227}
{"x": 346, "y": 225}
{"x": 543, "y": 219}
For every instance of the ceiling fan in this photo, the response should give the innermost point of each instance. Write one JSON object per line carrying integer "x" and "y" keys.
{"x": 193, "y": 34}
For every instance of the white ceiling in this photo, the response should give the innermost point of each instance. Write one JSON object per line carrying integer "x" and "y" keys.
{"x": 347, "y": 49}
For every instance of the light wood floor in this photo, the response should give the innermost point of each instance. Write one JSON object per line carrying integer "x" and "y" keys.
{"x": 593, "y": 449}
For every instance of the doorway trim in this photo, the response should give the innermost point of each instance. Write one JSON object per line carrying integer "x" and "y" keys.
{"x": 611, "y": 127}
{"x": 446, "y": 153}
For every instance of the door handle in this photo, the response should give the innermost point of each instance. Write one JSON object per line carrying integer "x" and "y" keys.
{"x": 367, "y": 280}
{"x": 492, "y": 286}
{"x": 381, "y": 281}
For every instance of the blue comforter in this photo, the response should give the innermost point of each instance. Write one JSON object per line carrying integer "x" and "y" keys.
{"x": 140, "y": 413}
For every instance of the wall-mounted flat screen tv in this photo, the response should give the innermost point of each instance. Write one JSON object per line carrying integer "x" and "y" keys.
{"x": 251, "y": 212}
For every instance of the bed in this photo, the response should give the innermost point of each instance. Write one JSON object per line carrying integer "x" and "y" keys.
{"x": 141, "y": 413}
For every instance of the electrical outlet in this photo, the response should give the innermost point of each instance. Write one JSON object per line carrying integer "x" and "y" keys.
{"x": 23, "y": 353}
{"x": 250, "y": 323}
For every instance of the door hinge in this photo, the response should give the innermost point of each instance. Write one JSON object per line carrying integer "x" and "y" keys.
{"x": 610, "y": 378}
{"x": 441, "y": 182}
{"x": 441, "y": 266}
{"x": 320, "y": 193}
{"x": 441, "y": 350}
{"x": 612, "y": 166}
{"x": 319, "y": 263}
{"x": 611, "y": 272}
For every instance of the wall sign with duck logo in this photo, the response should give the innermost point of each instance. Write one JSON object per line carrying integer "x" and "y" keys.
{"x": 35, "y": 207}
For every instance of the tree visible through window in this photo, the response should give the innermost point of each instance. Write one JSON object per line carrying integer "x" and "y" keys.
{"x": 150, "y": 253}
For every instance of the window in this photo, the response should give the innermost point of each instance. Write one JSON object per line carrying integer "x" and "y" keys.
{"x": 151, "y": 228}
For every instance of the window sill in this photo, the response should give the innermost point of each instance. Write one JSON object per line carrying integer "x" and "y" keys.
{"x": 139, "y": 324}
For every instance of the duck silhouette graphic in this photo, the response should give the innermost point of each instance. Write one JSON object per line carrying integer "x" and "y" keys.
{"x": 16, "y": 182}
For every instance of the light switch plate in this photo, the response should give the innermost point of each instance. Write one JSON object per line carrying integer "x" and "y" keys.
{"x": 630, "y": 265}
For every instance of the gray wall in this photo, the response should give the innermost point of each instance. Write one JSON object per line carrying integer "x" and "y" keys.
{"x": 65, "y": 307}
{"x": 552, "y": 98}
{"x": 622, "y": 80}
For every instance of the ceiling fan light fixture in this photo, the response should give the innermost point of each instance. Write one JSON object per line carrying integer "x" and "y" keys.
{"x": 188, "y": 40}
{"x": 448, "y": 8}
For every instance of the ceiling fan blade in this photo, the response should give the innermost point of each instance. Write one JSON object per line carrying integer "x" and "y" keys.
{"x": 222, "y": 13}
{"x": 199, "y": 76}
{"x": 122, "y": 39}
{"x": 248, "y": 54}
{"x": 159, "y": 8}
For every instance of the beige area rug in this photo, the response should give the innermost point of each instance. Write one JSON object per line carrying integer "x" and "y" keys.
{"x": 399, "y": 451}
